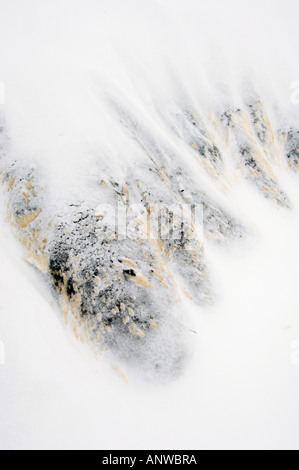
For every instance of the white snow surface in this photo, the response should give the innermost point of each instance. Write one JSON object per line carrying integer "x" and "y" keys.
{"x": 60, "y": 62}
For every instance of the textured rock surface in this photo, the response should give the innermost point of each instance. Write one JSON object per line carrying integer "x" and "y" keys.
{"x": 292, "y": 148}
{"x": 124, "y": 294}
{"x": 250, "y": 133}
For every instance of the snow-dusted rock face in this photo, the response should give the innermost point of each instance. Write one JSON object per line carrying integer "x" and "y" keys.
{"x": 153, "y": 116}
{"x": 292, "y": 148}
{"x": 149, "y": 176}
{"x": 125, "y": 293}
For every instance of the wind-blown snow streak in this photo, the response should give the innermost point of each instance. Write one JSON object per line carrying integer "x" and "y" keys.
{"x": 127, "y": 296}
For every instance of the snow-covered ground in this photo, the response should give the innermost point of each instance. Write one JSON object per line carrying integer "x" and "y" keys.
{"x": 61, "y": 63}
{"x": 240, "y": 390}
